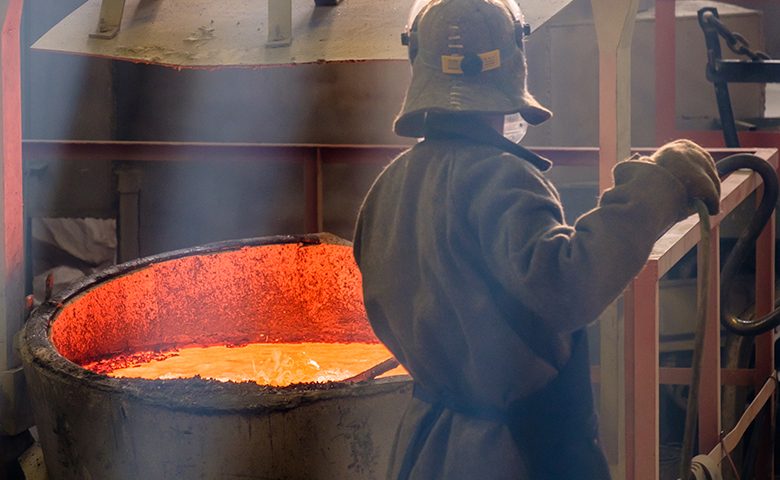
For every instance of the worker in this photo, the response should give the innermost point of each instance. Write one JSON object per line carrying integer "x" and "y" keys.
{"x": 471, "y": 275}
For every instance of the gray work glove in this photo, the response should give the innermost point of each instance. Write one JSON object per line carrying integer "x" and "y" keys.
{"x": 695, "y": 169}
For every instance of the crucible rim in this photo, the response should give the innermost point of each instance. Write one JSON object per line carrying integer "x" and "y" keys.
{"x": 192, "y": 394}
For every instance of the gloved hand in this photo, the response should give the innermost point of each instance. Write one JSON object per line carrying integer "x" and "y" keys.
{"x": 695, "y": 169}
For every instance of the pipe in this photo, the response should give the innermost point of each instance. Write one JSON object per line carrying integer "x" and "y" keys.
{"x": 745, "y": 243}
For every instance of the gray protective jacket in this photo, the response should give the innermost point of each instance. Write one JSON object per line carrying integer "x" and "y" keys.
{"x": 476, "y": 283}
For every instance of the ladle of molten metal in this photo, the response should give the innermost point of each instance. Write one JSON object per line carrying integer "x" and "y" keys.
{"x": 283, "y": 312}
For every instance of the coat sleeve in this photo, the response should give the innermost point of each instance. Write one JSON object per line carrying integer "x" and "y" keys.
{"x": 568, "y": 274}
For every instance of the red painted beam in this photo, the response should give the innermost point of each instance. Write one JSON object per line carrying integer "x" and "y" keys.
{"x": 14, "y": 411}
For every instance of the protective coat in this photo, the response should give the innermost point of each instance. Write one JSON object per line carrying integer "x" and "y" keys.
{"x": 477, "y": 284}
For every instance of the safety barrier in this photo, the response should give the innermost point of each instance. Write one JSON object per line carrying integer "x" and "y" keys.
{"x": 642, "y": 372}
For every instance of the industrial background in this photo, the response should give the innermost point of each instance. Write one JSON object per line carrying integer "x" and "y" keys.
{"x": 128, "y": 159}
{"x": 183, "y": 204}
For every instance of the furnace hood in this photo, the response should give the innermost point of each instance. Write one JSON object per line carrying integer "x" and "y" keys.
{"x": 234, "y": 33}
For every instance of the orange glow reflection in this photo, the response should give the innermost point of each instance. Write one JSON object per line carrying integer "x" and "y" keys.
{"x": 274, "y": 364}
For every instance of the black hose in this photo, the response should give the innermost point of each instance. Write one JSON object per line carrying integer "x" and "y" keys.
{"x": 737, "y": 257}
{"x": 745, "y": 243}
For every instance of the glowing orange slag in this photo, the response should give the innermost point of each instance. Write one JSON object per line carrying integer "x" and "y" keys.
{"x": 274, "y": 364}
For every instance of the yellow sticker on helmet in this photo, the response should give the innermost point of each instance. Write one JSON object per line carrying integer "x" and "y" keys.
{"x": 490, "y": 60}
{"x": 451, "y": 64}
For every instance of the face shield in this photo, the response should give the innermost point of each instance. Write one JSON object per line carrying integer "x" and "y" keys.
{"x": 515, "y": 127}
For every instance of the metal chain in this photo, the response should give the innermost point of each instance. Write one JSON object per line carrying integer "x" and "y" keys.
{"x": 735, "y": 41}
{"x": 742, "y": 47}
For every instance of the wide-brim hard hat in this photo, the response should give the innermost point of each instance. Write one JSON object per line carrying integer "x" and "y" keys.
{"x": 467, "y": 57}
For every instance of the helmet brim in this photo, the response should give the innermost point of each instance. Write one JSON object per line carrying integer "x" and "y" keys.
{"x": 495, "y": 92}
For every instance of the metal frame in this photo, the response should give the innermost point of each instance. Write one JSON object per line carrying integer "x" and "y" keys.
{"x": 666, "y": 94}
{"x": 643, "y": 373}
{"x": 733, "y": 71}
{"x": 666, "y": 130}
{"x": 311, "y": 157}
{"x": 722, "y": 72}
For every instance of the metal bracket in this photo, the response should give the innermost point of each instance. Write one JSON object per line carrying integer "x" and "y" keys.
{"x": 110, "y": 19}
{"x": 279, "y": 23}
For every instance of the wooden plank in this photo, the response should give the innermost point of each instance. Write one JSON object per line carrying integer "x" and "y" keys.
{"x": 765, "y": 301}
{"x": 610, "y": 379}
{"x": 710, "y": 380}
{"x": 732, "y": 439}
{"x": 641, "y": 377}
{"x": 614, "y": 21}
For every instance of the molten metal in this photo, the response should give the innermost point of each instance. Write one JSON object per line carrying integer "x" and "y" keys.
{"x": 273, "y": 314}
{"x": 273, "y": 364}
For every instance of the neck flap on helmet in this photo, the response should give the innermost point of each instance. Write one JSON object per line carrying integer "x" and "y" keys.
{"x": 476, "y": 130}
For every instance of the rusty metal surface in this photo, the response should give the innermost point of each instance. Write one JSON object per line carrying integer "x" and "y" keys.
{"x": 204, "y": 33}
{"x": 207, "y": 34}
